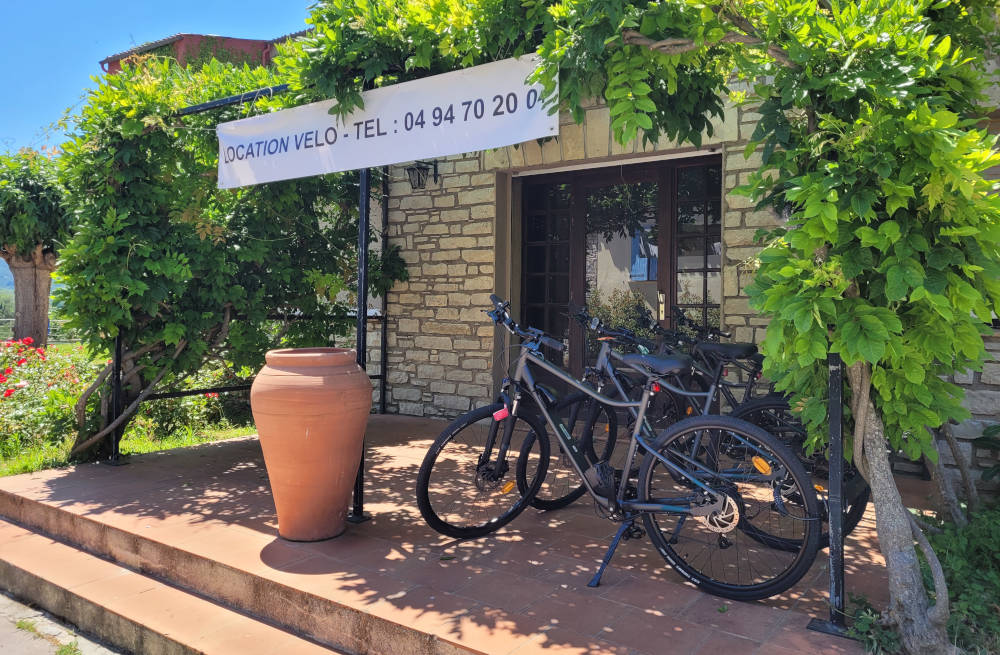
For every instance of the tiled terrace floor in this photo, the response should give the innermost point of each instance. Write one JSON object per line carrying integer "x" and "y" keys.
{"x": 520, "y": 591}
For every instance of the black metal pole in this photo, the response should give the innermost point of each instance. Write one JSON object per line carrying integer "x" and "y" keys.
{"x": 357, "y": 514}
{"x": 835, "y": 503}
{"x": 384, "y": 364}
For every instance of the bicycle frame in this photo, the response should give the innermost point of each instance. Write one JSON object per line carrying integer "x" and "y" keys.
{"x": 524, "y": 381}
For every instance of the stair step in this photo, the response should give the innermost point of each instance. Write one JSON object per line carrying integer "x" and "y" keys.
{"x": 128, "y": 609}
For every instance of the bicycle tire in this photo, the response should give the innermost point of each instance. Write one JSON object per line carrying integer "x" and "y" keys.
{"x": 719, "y": 443}
{"x": 456, "y": 490}
{"x": 773, "y": 413}
{"x": 561, "y": 486}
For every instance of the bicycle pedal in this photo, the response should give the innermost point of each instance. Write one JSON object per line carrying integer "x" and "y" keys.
{"x": 724, "y": 543}
{"x": 635, "y": 532}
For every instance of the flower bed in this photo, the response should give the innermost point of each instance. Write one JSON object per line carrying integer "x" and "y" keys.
{"x": 38, "y": 389}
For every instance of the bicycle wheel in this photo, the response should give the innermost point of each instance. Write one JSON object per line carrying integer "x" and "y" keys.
{"x": 594, "y": 426}
{"x": 462, "y": 490}
{"x": 773, "y": 413}
{"x": 739, "y": 545}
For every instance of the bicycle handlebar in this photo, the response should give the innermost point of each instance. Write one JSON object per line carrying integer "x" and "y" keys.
{"x": 500, "y": 314}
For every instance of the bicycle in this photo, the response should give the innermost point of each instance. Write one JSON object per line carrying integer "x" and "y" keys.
{"x": 720, "y": 499}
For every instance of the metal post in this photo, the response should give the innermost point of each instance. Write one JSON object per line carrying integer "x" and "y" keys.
{"x": 357, "y": 514}
{"x": 384, "y": 364}
{"x": 836, "y": 625}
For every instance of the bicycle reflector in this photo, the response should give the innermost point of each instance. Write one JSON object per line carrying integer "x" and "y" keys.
{"x": 761, "y": 465}
{"x": 656, "y": 388}
{"x": 507, "y": 488}
{"x": 501, "y": 413}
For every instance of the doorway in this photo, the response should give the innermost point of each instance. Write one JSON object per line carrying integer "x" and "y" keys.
{"x": 613, "y": 238}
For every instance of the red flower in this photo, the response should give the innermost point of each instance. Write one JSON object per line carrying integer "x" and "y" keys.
{"x": 27, "y": 341}
{"x": 40, "y": 351}
{"x": 21, "y": 361}
{"x": 212, "y": 394}
{"x": 8, "y": 393}
{"x": 2, "y": 379}
{"x": 8, "y": 371}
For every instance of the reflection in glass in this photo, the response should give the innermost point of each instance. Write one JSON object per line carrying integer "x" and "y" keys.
{"x": 691, "y": 216}
{"x": 691, "y": 253}
{"x": 714, "y": 212}
{"x": 714, "y": 254}
{"x": 690, "y": 288}
{"x": 691, "y": 183}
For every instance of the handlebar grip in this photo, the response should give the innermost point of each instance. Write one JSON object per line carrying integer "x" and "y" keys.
{"x": 495, "y": 299}
{"x": 725, "y": 335}
{"x": 552, "y": 343}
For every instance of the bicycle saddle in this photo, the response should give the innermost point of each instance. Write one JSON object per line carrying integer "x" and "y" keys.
{"x": 728, "y": 350}
{"x": 660, "y": 364}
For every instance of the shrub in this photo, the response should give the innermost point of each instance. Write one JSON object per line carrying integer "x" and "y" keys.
{"x": 38, "y": 389}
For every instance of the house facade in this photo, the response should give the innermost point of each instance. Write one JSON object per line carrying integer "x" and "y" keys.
{"x": 572, "y": 220}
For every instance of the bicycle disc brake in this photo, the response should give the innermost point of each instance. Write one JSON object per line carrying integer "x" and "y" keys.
{"x": 721, "y": 516}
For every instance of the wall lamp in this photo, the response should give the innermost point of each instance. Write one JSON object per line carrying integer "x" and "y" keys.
{"x": 417, "y": 173}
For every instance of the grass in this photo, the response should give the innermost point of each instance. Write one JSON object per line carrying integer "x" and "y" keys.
{"x": 46, "y": 456}
{"x": 72, "y": 648}
{"x": 68, "y": 649}
{"x": 27, "y": 625}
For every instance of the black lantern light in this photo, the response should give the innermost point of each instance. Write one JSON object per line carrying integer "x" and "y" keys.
{"x": 417, "y": 173}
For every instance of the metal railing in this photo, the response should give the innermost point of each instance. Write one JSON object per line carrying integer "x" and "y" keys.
{"x": 58, "y": 332}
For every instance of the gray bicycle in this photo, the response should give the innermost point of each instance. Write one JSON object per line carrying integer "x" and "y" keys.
{"x": 720, "y": 499}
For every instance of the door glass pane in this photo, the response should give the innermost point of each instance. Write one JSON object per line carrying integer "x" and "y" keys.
{"x": 690, "y": 288}
{"x": 534, "y": 259}
{"x": 691, "y": 183}
{"x": 691, "y": 254}
{"x": 534, "y": 227}
{"x": 691, "y": 216}
{"x": 714, "y": 213}
{"x": 714, "y": 254}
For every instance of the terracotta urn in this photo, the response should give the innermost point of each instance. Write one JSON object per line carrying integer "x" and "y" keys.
{"x": 311, "y": 407}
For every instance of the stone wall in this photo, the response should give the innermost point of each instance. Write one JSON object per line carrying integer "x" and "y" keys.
{"x": 440, "y": 342}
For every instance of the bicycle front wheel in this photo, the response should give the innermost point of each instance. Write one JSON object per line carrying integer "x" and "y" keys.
{"x": 757, "y": 534}
{"x": 773, "y": 413}
{"x": 465, "y": 488}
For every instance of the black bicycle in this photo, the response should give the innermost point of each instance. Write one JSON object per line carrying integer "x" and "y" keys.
{"x": 722, "y": 500}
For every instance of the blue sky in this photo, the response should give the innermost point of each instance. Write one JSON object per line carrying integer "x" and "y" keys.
{"x": 51, "y": 48}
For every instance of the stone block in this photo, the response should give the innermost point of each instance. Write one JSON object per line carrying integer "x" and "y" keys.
{"x": 765, "y": 218}
{"x": 479, "y": 392}
{"x": 452, "y": 215}
{"x": 982, "y": 401}
{"x": 428, "y": 372}
{"x": 597, "y": 132}
{"x": 445, "y": 200}
{"x": 413, "y": 355}
{"x": 483, "y": 179}
{"x": 443, "y": 387}
{"x": 476, "y": 196}
{"x": 445, "y": 401}
{"x": 733, "y": 219}
{"x": 405, "y": 393}
{"x": 455, "y": 181}
{"x": 479, "y": 283}
{"x": 457, "y": 269}
{"x": 496, "y": 159}
{"x": 458, "y": 375}
{"x": 415, "y": 202}
{"x": 532, "y": 153}
{"x": 483, "y": 227}
{"x": 434, "y": 269}
{"x": 448, "y": 358}
{"x": 411, "y": 409}
{"x": 475, "y": 364}
{"x": 449, "y": 255}
{"x": 516, "y": 155}
{"x": 435, "y": 327}
{"x": 991, "y": 374}
{"x": 964, "y": 377}
{"x": 482, "y": 211}
{"x": 571, "y": 139}
{"x": 397, "y": 377}
{"x": 467, "y": 166}
{"x": 551, "y": 152}
{"x": 970, "y": 428}
{"x": 436, "y": 343}
{"x": 468, "y": 344}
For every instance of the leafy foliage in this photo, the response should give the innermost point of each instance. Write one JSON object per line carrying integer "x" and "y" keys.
{"x": 181, "y": 270}
{"x": 892, "y": 251}
{"x": 31, "y": 212}
{"x": 38, "y": 388}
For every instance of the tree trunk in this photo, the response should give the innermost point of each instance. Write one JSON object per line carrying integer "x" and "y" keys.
{"x": 921, "y": 625}
{"x": 32, "y": 283}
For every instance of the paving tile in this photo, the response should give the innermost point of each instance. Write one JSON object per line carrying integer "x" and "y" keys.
{"x": 206, "y": 513}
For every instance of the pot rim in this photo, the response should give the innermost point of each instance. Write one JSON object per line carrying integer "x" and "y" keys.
{"x": 310, "y": 356}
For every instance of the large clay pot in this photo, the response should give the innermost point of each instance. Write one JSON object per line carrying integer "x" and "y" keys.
{"x": 311, "y": 407}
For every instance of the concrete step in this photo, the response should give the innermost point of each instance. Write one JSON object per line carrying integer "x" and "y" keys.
{"x": 282, "y": 583}
{"x": 130, "y": 610}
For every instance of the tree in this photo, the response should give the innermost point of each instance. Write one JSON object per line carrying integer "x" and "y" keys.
{"x": 183, "y": 272}
{"x": 33, "y": 224}
{"x": 869, "y": 143}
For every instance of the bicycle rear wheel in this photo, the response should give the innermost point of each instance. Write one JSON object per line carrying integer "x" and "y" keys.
{"x": 463, "y": 490}
{"x": 752, "y": 542}
{"x": 594, "y": 426}
{"x": 773, "y": 413}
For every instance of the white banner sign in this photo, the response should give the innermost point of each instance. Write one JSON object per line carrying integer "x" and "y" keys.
{"x": 488, "y": 106}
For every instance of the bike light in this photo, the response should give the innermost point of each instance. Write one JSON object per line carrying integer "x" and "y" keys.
{"x": 507, "y": 488}
{"x": 501, "y": 414}
{"x": 656, "y": 388}
{"x": 761, "y": 465}
{"x": 820, "y": 488}
{"x": 725, "y": 372}
{"x": 690, "y": 410}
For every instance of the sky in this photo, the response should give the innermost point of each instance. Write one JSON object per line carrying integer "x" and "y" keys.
{"x": 51, "y": 48}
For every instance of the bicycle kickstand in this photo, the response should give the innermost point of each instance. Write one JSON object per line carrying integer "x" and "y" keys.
{"x": 628, "y": 530}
